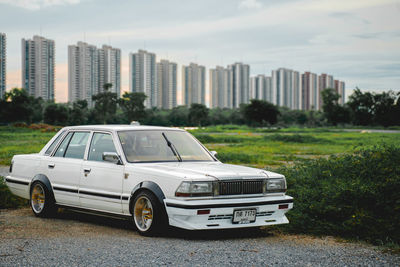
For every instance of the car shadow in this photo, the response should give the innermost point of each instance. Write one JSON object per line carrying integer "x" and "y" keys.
{"x": 170, "y": 232}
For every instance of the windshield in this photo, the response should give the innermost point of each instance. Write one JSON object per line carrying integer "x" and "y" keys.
{"x": 148, "y": 146}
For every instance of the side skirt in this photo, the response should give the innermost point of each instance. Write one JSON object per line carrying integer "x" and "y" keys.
{"x": 96, "y": 212}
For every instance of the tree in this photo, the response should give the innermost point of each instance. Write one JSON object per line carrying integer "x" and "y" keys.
{"x": 79, "y": 113}
{"x": 385, "y": 109}
{"x": 132, "y": 105}
{"x": 259, "y": 112}
{"x": 105, "y": 104}
{"x": 361, "y": 105}
{"x": 19, "y": 106}
{"x": 333, "y": 112}
{"x": 198, "y": 114}
{"x": 179, "y": 116}
{"x": 56, "y": 114}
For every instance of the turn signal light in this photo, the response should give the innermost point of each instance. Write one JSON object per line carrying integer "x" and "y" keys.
{"x": 203, "y": 212}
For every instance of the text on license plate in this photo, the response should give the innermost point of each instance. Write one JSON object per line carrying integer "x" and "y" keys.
{"x": 244, "y": 216}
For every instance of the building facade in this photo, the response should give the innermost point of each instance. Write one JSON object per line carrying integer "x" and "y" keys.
{"x": 110, "y": 68}
{"x": 3, "y": 63}
{"x": 340, "y": 88}
{"x": 310, "y": 91}
{"x": 324, "y": 81}
{"x": 38, "y": 67}
{"x": 142, "y": 76}
{"x": 261, "y": 88}
{"x": 193, "y": 84}
{"x": 240, "y": 84}
{"x": 83, "y": 72}
{"x": 167, "y": 84}
{"x": 220, "y": 87}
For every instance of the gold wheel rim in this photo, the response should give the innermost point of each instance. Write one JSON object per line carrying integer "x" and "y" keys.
{"x": 143, "y": 213}
{"x": 37, "y": 198}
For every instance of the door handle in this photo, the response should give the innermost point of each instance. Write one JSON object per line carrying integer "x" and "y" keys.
{"x": 86, "y": 171}
{"x": 51, "y": 166}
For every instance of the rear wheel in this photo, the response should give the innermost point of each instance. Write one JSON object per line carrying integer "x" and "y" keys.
{"x": 147, "y": 214}
{"x": 41, "y": 203}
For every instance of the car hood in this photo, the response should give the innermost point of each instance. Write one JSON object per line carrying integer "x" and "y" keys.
{"x": 207, "y": 170}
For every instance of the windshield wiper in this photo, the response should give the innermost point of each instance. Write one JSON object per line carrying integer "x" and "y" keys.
{"x": 172, "y": 147}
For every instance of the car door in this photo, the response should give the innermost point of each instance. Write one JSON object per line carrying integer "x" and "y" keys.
{"x": 64, "y": 167}
{"x": 100, "y": 185}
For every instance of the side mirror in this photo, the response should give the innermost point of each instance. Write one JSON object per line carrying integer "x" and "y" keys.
{"x": 111, "y": 157}
{"x": 214, "y": 153}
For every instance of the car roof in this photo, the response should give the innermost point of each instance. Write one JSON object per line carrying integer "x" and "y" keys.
{"x": 121, "y": 127}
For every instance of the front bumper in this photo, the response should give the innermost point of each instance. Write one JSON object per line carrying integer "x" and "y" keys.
{"x": 183, "y": 213}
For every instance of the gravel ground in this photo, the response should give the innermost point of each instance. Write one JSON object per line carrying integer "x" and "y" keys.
{"x": 72, "y": 239}
{"x": 4, "y": 170}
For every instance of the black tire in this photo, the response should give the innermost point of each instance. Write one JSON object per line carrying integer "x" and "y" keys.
{"x": 158, "y": 217}
{"x": 48, "y": 208}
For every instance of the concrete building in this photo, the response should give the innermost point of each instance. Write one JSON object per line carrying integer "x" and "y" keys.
{"x": 296, "y": 91}
{"x": 240, "y": 84}
{"x": 110, "y": 68}
{"x": 286, "y": 88}
{"x": 341, "y": 90}
{"x": 142, "y": 76}
{"x": 310, "y": 91}
{"x": 220, "y": 87}
{"x": 260, "y": 88}
{"x": 324, "y": 81}
{"x": 167, "y": 84}
{"x": 38, "y": 67}
{"x": 83, "y": 72}
{"x": 3, "y": 63}
{"x": 193, "y": 84}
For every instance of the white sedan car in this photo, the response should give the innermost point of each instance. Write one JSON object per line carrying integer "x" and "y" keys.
{"x": 159, "y": 176}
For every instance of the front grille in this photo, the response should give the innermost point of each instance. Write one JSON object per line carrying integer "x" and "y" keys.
{"x": 241, "y": 187}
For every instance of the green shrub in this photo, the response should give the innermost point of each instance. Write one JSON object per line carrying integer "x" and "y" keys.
{"x": 351, "y": 195}
{"x": 295, "y": 138}
{"x": 7, "y": 199}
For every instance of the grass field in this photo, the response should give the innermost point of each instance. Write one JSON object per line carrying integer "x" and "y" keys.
{"x": 263, "y": 148}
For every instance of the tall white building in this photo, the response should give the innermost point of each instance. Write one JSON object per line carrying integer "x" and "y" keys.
{"x": 3, "y": 63}
{"x": 142, "y": 76}
{"x": 110, "y": 68}
{"x": 83, "y": 72}
{"x": 286, "y": 88}
{"x": 260, "y": 88}
{"x": 193, "y": 84}
{"x": 310, "y": 91}
{"x": 341, "y": 90}
{"x": 38, "y": 67}
{"x": 324, "y": 81}
{"x": 167, "y": 84}
{"x": 220, "y": 87}
{"x": 240, "y": 84}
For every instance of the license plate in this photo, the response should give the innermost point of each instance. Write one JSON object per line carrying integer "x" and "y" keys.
{"x": 244, "y": 216}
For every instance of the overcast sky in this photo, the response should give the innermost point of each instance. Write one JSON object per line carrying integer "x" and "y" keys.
{"x": 356, "y": 41}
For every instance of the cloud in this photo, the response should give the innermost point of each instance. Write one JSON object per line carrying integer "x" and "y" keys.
{"x": 250, "y": 4}
{"x": 38, "y": 4}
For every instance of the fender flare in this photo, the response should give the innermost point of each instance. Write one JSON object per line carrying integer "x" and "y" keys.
{"x": 152, "y": 187}
{"x": 44, "y": 180}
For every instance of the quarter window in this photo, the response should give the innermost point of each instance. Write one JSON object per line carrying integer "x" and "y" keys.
{"x": 101, "y": 142}
{"x": 52, "y": 146}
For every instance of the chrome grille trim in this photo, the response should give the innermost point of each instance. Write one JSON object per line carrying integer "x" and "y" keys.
{"x": 240, "y": 187}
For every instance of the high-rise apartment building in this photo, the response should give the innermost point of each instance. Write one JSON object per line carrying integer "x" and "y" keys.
{"x": 110, "y": 68}
{"x": 220, "y": 87}
{"x": 296, "y": 91}
{"x": 167, "y": 84}
{"x": 310, "y": 91}
{"x": 83, "y": 72}
{"x": 38, "y": 67}
{"x": 324, "y": 81}
{"x": 142, "y": 76}
{"x": 240, "y": 84}
{"x": 260, "y": 88}
{"x": 3, "y": 63}
{"x": 341, "y": 90}
{"x": 193, "y": 84}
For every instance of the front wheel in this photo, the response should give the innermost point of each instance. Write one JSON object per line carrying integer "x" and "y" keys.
{"x": 41, "y": 203}
{"x": 147, "y": 214}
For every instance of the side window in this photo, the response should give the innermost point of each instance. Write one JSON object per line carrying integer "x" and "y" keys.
{"x": 73, "y": 145}
{"x": 61, "y": 149}
{"x": 77, "y": 145}
{"x": 101, "y": 142}
{"x": 53, "y": 145}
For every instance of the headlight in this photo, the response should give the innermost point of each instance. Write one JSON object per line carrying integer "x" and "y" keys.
{"x": 275, "y": 185}
{"x": 194, "y": 189}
